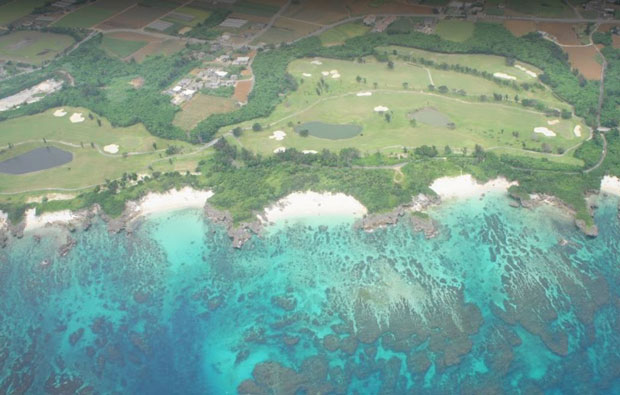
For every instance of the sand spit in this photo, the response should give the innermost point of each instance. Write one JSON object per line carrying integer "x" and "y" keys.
{"x": 312, "y": 204}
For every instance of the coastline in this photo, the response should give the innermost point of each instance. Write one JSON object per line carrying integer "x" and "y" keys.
{"x": 294, "y": 207}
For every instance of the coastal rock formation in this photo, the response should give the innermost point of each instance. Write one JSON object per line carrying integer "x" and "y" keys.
{"x": 240, "y": 234}
{"x": 588, "y": 230}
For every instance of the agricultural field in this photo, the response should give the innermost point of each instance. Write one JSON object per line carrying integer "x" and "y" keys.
{"x": 26, "y": 133}
{"x": 339, "y": 34}
{"x": 200, "y": 107}
{"x": 255, "y": 8}
{"x": 14, "y": 10}
{"x": 119, "y": 47}
{"x": 33, "y": 47}
{"x": 547, "y": 8}
{"x": 520, "y": 28}
{"x": 166, "y": 47}
{"x": 564, "y": 32}
{"x": 139, "y": 16}
{"x": 365, "y": 7}
{"x": 587, "y": 60}
{"x": 458, "y": 31}
{"x": 320, "y": 12}
{"x": 285, "y": 30}
{"x": 93, "y": 14}
{"x": 441, "y": 119}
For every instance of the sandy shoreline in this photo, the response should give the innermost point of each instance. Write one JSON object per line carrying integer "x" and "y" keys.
{"x": 466, "y": 186}
{"x": 170, "y": 201}
{"x": 34, "y": 221}
{"x": 610, "y": 185}
{"x": 312, "y": 204}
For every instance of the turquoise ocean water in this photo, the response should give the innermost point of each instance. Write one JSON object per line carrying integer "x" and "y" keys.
{"x": 502, "y": 301}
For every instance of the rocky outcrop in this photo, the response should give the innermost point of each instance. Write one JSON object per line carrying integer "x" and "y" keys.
{"x": 239, "y": 234}
{"x": 588, "y": 230}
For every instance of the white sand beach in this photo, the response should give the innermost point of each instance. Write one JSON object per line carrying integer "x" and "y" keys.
{"x": 312, "y": 204}
{"x": 466, "y": 186}
{"x": 610, "y": 185}
{"x": 171, "y": 200}
{"x": 34, "y": 221}
{"x": 111, "y": 149}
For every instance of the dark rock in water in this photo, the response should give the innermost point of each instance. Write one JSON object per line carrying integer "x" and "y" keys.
{"x": 215, "y": 303}
{"x": 63, "y": 384}
{"x": 76, "y": 336}
{"x": 291, "y": 340}
{"x": 140, "y": 297}
{"x": 349, "y": 345}
{"x": 67, "y": 247}
{"x": 418, "y": 362}
{"x": 285, "y": 302}
{"x": 240, "y": 234}
{"x": 514, "y": 204}
{"x": 588, "y": 230}
{"x": 424, "y": 224}
{"x": 331, "y": 342}
{"x": 242, "y": 356}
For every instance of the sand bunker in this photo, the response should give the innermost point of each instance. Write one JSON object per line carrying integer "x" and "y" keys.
{"x": 307, "y": 75}
{"x": 364, "y": 94}
{"x": 553, "y": 122}
{"x": 547, "y": 132}
{"x": 111, "y": 149}
{"x": 77, "y": 117}
{"x": 381, "y": 109}
{"x": 317, "y": 62}
{"x": 60, "y": 113}
{"x": 278, "y": 135}
{"x": 309, "y": 152}
{"x": 279, "y": 150}
{"x": 504, "y": 76}
{"x": 325, "y": 73}
{"x": 577, "y": 131}
{"x": 335, "y": 76}
{"x": 526, "y": 71}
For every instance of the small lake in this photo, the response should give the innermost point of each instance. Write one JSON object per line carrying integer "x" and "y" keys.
{"x": 329, "y": 131}
{"x": 38, "y": 159}
{"x": 431, "y": 116}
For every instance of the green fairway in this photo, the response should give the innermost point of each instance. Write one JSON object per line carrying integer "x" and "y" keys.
{"x": 493, "y": 124}
{"x": 90, "y": 165}
{"x": 458, "y": 31}
{"x": 32, "y": 46}
{"x": 489, "y": 63}
{"x": 119, "y": 47}
{"x": 339, "y": 34}
{"x": 17, "y": 9}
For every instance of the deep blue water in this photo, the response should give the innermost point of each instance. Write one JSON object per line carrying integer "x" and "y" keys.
{"x": 36, "y": 160}
{"x": 495, "y": 304}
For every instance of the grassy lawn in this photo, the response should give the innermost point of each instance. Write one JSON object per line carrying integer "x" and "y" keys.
{"x": 92, "y": 14}
{"x": 200, "y": 107}
{"x": 119, "y": 47}
{"x": 17, "y": 9}
{"x": 81, "y": 171}
{"x": 490, "y": 124}
{"x": 340, "y": 34}
{"x": 33, "y": 47}
{"x": 458, "y": 31}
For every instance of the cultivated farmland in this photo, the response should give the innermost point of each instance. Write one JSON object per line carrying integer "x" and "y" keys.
{"x": 32, "y": 46}
{"x": 93, "y": 14}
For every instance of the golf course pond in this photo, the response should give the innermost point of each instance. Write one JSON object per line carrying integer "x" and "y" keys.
{"x": 38, "y": 159}
{"x": 329, "y": 131}
{"x": 431, "y": 116}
